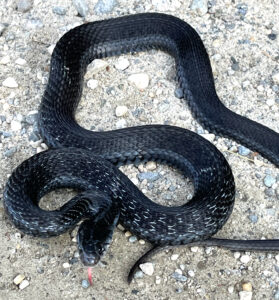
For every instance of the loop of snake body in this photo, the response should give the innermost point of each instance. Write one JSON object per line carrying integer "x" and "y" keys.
{"x": 87, "y": 161}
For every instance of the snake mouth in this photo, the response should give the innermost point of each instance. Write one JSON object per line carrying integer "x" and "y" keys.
{"x": 89, "y": 260}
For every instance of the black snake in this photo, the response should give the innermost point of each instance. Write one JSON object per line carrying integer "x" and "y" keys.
{"x": 83, "y": 159}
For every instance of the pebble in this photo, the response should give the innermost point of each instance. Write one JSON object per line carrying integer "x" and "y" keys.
{"x": 138, "y": 274}
{"x": 151, "y": 165}
{"x": 3, "y": 27}
{"x": 81, "y": 7}
{"x": 104, "y": 6}
{"x": 247, "y": 286}
{"x": 275, "y": 78}
{"x": 243, "y": 295}
{"x": 149, "y": 176}
{"x": 194, "y": 249}
{"x": 20, "y": 61}
{"x": 15, "y": 125}
{"x": 269, "y": 180}
{"x": 121, "y": 110}
{"x": 18, "y": 279}
{"x": 230, "y": 289}
{"x": 120, "y": 227}
{"x": 10, "y": 83}
{"x": 66, "y": 265}
{"x": 92, "y": 83}
{"x": 158, "y": 280}
{"x": 122, "y": 64}
{"x": 272, "y": 36}
{"x": 243, "y": 151}
{"x": 147, "y": 268}
{"x": 178, "y": 93}
{"x": 24, "y": 284}
{"x": 59, "y": 10}
{"x": 277, "y": 258}
{"x": 208, "y": 136}
{"x": 5, "y": 60}
{"x": 276, "y": 295}
{"x": 133, "y": 239}
{"x": 50, "y": 49}
{"x": 24, "y": 5}
{"x": 128, "y": 233}
{"x": 179, "y": 277}
{"x": 191, "y": 273}
{"x": 121, "y": 123}
{"x": 98, "y": 65}
{"x": 142, "y": 242}
{"x": 236, "y": 255}
{"x": 140, "y": 80}
{"x": 253, "y": 218}
{"x": 85, "y": 283}
{"x": 10, "y": 152}
{"x": 245, "y": 258}
{"x": 200, "y": 6}
{"x": 174, "y": 257}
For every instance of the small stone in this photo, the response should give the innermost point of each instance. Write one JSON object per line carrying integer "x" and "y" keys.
{"x": 5, "y": 60}
{"x": 253, "y": 218}
{"x": 277, "y": 258}
{"x": 178, "y": 93}
{"x": 230, "y": 289}
{"x": 272, "y": 36}
{"x": 276, "y": 295}
{"x": 59, "y": 10}
{"x": 92, "y": 83}
{"x": 120, "y": 111}
{"x": 179, "y": 277}
{"x": 243, "y": 151}
{"x": 236, "y": 255}
{"x": 121, "y": 124}
{"x": 120, "y": 227}
{"x": 174, "y": 256}
{"x": 158, "y": 280}
{"x": 200, "y": 6}
{"x": 50, "y": 49}
{"x": 151, "y": 165}
{"x": 85, "y": 283}
{"x": 128, "y": 233}
{"x": 3, "y": 27}
{"x": 242, "y": 9}
{"x": 269, "y": 180}
{"x": 18, "y": 279}
{"x": 138, "y": 274}
{"x": 147, "y": 268}
{"x": 81, "y": 7}
{"x": 243, "y": 295}
{"x": 24, "y": 5}
{"x": 140, "y": 80}
{"x": 247, "y": 286}
{"x": 191, "y": 273}
{"x": 10, "y": 83}
{"x": 66, "y": 265}
{"x": 149, "y": 176}
{"x": 245, "y": 258}
{"x": 275, "y": 78}
{"x": 122, "y": 64}
{"x": 142, "y": 242}
{"x": 20, "y": 61}
{"x": 208, "y": 136}
{"x": 24, "y": 284}
{"x": 97, "y": 65}
{"x": 10, "y": 152}
{"x": 132, "y": 239}
{"x": 15, "y": 125}
{"x": 194, "y": 249}
{"x": 270, "y": 102}
{"x": 104, "y": 6}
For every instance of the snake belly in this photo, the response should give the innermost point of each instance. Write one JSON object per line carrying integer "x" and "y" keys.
{"x": 83, "y": 159}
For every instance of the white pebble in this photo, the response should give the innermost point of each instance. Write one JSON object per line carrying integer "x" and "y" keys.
{"x": 10, "y": 83}
{"x": 158, "y": 280}
{"x": 245, "y": 259}
{"x": 182, "y": 267}
{"x": 142, "y": 242}
{"x": 140, "y": 80}
{"x": 275, "y": 78}
{"x": 66, "y": 265}
{"x": 209, "y": 136}
{"x": 151, "y": 165}
{"x": 18, "y": 279}
{"x": 50, "y": 49}
{"x": 178, "y": 271}
{"x": 194, "y": 249}
{"x": 120, "y": 227}
{"x": 20, "y": 61}
{"x": 24, "y": 284}
{"x": 15, "y": 125}
{"x": 174, "y": 257}
{"x": 5, "y": 60}
{"x": 122, "y": 64}
{"x": 191, "y": 273}
{"x": 128, "y": 233}
{"x": 92, "y": 83}
{"x": 135, "y": 181}
{"x": 230, "y": 289}
{"x": 277, "y": 257}
{"x": 147, "y": 268}
{"x": 200, "y": 6}
{"x": 270, "y": 102}
{"x": 236, "y": 255}
{"x": 121, "y": 123}
{"x": 243, "y": 295}
{"x": 121, "y": 110}
{"x": 97, "y": 65}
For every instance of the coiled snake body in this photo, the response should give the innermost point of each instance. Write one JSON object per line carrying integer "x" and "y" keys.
{"x": 84, "y": 160}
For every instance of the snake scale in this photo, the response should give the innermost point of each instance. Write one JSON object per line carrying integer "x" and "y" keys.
{"x": 87, "y": 161}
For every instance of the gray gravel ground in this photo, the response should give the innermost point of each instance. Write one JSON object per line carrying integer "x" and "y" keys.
{"x": 242, "y": 41}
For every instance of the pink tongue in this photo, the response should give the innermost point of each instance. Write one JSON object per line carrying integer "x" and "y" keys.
{"x": 89, "y": 272}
